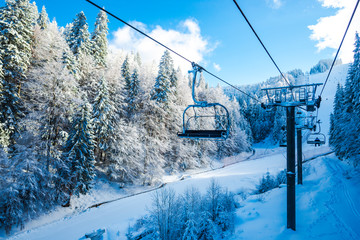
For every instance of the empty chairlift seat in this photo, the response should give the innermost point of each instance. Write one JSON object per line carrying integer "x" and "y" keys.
{"x": 204, "y": 120}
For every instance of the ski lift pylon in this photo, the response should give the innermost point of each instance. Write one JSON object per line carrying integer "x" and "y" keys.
{"x": 204, "y": 120}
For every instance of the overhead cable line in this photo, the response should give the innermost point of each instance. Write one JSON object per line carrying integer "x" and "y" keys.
{"x": 337, "y": 53}
{"x": 262, "y": 44}
{"x": 156, "y": 41}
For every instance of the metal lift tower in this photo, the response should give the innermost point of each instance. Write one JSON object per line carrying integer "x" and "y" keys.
{"x": 290, "y": 98}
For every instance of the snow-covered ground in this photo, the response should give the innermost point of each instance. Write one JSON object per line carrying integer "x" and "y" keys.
{"x": 327, "y": 202}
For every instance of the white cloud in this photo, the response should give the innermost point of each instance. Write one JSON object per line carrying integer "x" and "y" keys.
{"x": 276, "y": 4}
{"x": 329, "y": 31}
{"x": 186, "y": 40}
{"x": 217, "y": 67}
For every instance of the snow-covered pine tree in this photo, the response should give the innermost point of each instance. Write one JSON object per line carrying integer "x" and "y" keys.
{"x": 162, "y": 88}
{"x": 125, "y": 73}
{"x": 207, "y": 228}
{"x": 16, "y": 27}
{"x": 132, "y": 98}
{"x": 21, "y": 192}
{"x": 336, "y": 137}
{"x": 226, "y": 218}
{"x": 128, "y": 85}
{"x": 68, "y": 59}
{"x": 4, "y": 133}
{"x": 29, "y": 175}
{"x": 79, "y": 37}
{"x": 279, "y": 122}
{"x": 78, "y": 152}
{"x": 10, "y": 200}
{"x": 353, "y": 80}
{"x": 174, "y": 79}
{"x": 355, "y": 86}
{"x": 43, "y": 19}
{"x": 103, "y": 117}
{"x": 99, "y": 46}
{"x": 11, "y": 207}
{"x": 11, "y": 109}
{"x": 190, "y": 229}
{"x": 350, "y": 117}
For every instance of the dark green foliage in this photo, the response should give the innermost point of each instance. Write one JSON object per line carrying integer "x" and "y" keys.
{"x": 162, "y": 90}
{"x": 78, "y": 153}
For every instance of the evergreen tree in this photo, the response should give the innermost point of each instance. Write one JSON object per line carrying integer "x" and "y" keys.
{"x": 11, "y": 208}
{"x": 11, "y": 110}
{"x": 190, "y": 230}
{"x": 103, "y": 115}
{"x": 30, "y": 178}
{"x": 78, "y": 153}
{"x": 16, "y": 27}
{"x": 68, "y": 59}
{"x": 99, "y": 39}
{"x": 125, "y": 73}
{"x": 355, "y": 86}
{"x": 4, "y": 133}
{"x": 337, "y": 136}
{"x": 21, "y": 191}
{"x": 174, "y": 81}
{"x": 207, "y": 228}
{"x": 348, "y": 126}
{"x": 133, "y": 92}
{"x": 43, "y": 19}
{"x": 79, "y": 37}
{"x": 279, "y": 122}
{"x": 162, "y": 88}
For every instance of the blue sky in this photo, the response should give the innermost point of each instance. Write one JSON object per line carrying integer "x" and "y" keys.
{"x": 213, "y": 32}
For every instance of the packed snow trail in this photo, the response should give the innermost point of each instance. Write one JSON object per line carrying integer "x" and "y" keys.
{"x": 116, "y": 216}
{"x": 325, "y": 208}
{"x": 344, "y": 206}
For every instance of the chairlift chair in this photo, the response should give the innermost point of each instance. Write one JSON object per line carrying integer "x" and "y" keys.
{"x": 316, "y": 138}
{"x": 204, "y": 120}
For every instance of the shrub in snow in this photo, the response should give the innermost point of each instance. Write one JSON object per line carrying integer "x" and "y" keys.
{"x": 281, "y": 177}
{"x": 268, "y": 182}
{"x": 189, "y": 216}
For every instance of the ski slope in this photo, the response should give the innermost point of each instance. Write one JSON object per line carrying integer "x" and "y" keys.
{"x": 327, "y": 202}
